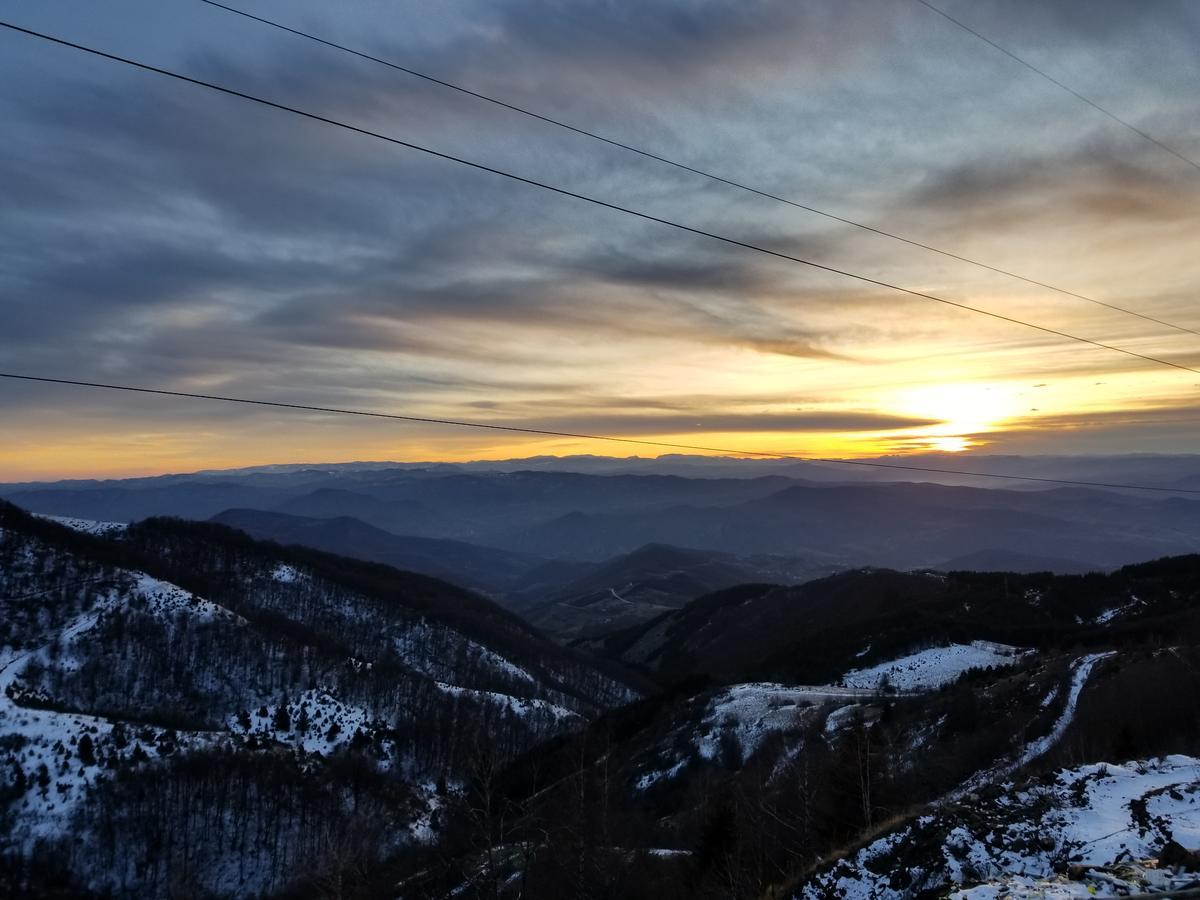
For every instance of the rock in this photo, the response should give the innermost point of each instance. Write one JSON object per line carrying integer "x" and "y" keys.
{"x": 1175, "y": 854}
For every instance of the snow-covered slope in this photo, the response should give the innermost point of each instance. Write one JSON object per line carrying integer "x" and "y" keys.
{"x": 749, "y": 713}
{"x": 1080, "y": 672}
{"x": 1096, "y": 829}
{"x": 88, "y": 526}
{"x": 63, "y": 753}
{"x": 933, "y": 667}
{"x": 328, "y": 691}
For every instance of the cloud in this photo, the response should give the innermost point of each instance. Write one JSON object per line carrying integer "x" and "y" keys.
{"x": 1092, "y": 21}
{"x": 1100, "y": 180}
{"x": 662, "y": 46}
{"x": 700, "y": 423}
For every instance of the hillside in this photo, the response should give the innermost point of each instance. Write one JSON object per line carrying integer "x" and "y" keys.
{"x": 806, "y": 632}
{"x": 315, "y": 719}
{"x": 486, "y": 569}
{"x": 635, "y": 587}
{"x": 774, "y": 738}
{"x": 802, "y": 762}
{"x": 564, "y": 598}
{"x": 892, "y": 525}
{"x": 991, "y": 560}
{"x": 145, "y": 672}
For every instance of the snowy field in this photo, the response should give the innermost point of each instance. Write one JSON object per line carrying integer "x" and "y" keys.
{"x": 932, "y": 668}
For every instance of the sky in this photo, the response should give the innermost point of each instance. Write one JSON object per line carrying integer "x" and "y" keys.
{"x": 156, "y": 234}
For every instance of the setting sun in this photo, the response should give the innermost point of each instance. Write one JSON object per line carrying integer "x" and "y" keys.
{"x": 962, "y": 410}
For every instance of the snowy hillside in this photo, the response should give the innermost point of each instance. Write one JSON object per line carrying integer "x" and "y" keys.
{"x": 749, "y": 713}
{"x": 88, "y": 526}
{"x": 185, "y": 710}
{"x": 929, "y": 669}
{"x": 1093, "y": 830}
{"x": 247, "y": 696}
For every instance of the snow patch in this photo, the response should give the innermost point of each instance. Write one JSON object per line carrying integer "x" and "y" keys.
{"x": 285, "y": 574}
{"x": 840, "y": 718}
{"x": 1117, "y": 611}
{"x": 87, "y": 526}
{"x": 520, "y": 706}
{"x": 751, "y": 712}
{"x": 650, "y": 778}
{"x": 164, "y": 599}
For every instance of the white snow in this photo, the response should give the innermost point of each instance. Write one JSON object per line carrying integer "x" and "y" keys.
{"x": 755, "y": 710}
{"x": 423, "y": 828}
{"x": 165, "y": 599}
{"x": 842, "y": 717}
{"x": 646, "y": 780}
{"x": 1031, "y": 751}
{"x": 747, "y": 715}
{"x": 521, "y": 706}
{"x": 285, "y": 574}
{"x": 1009, "y": 845}
{"x": 51, "y": 738}
{"x": 1117, "y": 611}
{"x": 324, "y": 711}
{"x": 87, "y": 526}
{"x": 501, "y": 664}
{"x": 929, "y": 669}
{"x": 455, "y": 654}
{"x": 1100, "y": 828}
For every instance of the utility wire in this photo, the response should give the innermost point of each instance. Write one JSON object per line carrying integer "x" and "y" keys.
{"x": 582, "y": 436}
{"x": 593, "y": 200}
{"x": 1070, "y": 90}
{"x": 692, "y": 169}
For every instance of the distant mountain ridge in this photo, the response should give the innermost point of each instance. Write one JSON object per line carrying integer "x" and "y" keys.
{"x": 481, "y": 568}
{"x": 1156, "y": 469}
{"x": 814, "y": 631}
{"x": 534, "y": 526}
{"x": 1011, "y": 561}
{"x": 637, "y": 586}
{"x": 565, "y": 598}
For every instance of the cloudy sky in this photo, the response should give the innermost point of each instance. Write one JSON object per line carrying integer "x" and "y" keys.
{"x": 157, "y": 234}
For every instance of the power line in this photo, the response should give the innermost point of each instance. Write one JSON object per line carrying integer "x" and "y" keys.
{"x": 593, "y": 200}
{"x": 1070, "y": 90}
{"x": 545, "y": 432}
{"x": 692, "y": 169}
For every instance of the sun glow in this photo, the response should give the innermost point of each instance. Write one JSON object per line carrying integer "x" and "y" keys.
{"x": 964, "y": 411}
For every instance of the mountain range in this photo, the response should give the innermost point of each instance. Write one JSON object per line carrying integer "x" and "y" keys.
{"x": 184, "y": 707}
{"x": 580, "y": 545}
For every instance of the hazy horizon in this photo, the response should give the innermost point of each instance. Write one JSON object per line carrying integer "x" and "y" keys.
{"x": 950, "y": 461}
